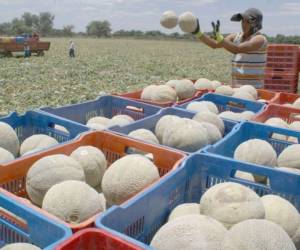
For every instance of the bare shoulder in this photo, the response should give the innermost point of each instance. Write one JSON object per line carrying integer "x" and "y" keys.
{"x": 259, "y": 38}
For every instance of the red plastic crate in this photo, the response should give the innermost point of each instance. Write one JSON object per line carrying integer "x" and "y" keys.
{"x": 283, "y": 98}
{"x": 288, "y": 114}
{"x": 282, "y": 48}
{"x": 285, "y": 78}
{"x": 289, "y": 56}
{"x": 282, "y": 67}
{"x": 13, "y": 175}
{"x": 281, "y": 82}
{"x": 95, "y": 239}
{"x": 280, "y": 88}
{"x": 267, "y": 95}
{"x": 282, "y": 58}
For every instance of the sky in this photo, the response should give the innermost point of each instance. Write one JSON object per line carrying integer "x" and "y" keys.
{"x": 280, "y": 16}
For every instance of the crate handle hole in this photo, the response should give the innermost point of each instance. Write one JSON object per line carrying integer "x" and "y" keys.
{"x": 59, "y": 128}
{"x": 250, "y": 177}
{"x": 278, "y": 136}
{"x": 236, "y": 104}
{"x": 135, "y": 109}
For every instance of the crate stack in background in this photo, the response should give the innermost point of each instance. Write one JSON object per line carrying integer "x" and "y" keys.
{"x": 282, "y": 68}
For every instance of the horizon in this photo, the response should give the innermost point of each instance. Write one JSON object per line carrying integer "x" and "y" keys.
{"x": 144, "y": 15}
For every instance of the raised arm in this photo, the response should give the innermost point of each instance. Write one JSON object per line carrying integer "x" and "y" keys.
{"x": 253, "y": 44}
{"x": 213, "y": 43}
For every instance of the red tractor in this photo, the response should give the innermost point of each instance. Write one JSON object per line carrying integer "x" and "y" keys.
{"x": 17, "y": 44}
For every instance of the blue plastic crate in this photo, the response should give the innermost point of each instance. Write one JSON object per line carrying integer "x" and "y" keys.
{"x": 35, "y": 122}
{"x": 228, "y": 103}
{"x": 107, "y": 106}
{"x": 140, "y": 218}
{"x": 150, "y": 122}
{"x": 251, "y": 130}
{"x": 20, "y": 223}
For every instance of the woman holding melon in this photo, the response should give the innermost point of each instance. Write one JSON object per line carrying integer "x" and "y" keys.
{"x": 248, "y": 47}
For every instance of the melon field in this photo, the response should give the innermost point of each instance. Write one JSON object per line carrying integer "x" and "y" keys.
{"x": 111, "y": 65}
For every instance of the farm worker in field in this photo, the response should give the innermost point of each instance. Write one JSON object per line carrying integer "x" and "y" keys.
{"x": 248, "y": 47}
{"x": 27, "y": 52}
{"x": 72, "y": 49}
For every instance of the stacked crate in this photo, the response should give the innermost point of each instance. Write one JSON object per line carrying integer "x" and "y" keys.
{"x": 282, "y": 66}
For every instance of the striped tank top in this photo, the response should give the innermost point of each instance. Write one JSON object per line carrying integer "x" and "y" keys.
{"x": 248, "y": 68}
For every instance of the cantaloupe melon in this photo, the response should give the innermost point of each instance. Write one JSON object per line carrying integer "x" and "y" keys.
{"x": 256, "y": 151}
{"x": 144, "y": 135}
{"x": 37, "y": 142}
{"x": 186, "y": 135}
{"x": 210, "y": 118}
{"x": 290, "y": 157}
{"x": 163, "y": 93}
{"x": 213, "y": 133}
{"x": 148, "y": 91}
{"x": 184, "y": 210}
{"x": 277, "y": 122}
{"x": 103, "y": 201}
{"x": 185, "y": 89}
{"x": 187, "y": 22}
{"x": 247, "y": 115}
{"x": 250, "y": 89}
{"x": 203, "y": 106}
{"x": 159, "y": 93}
{"x": 9, "y": 139}
{"x": 120, "y": 120}
{"x": 72, "y": 201}
{"x": 5, "y": 156}
{"x": 230, "y": 115}
{"x": 295, "y": 126}
{"x": 216, "y": 84}
{"x": 243, "y": 95}
{"x": 296, "y": 237}
{"x": 281, "y": 212}
{"x": 224, "y": 90}
{"x": 169, "y": 19}
{"x": 128, "y": 176}
{"x": 98, "y": 120}
{"x": 20, "y": 246}
{"x": 172, "y": 83}
{"x": 257, "y": 235}
{"x": 231, "y": 203}
{"x": 93, "y": 163}
{"x": 163, "y": 123}
{"x": 191, "y": 232}
{"x": 49, "y": 171}
{"x": 204, "y": 84}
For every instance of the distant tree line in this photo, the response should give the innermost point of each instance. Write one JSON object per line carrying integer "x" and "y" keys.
{"x": 43, "y": 24}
